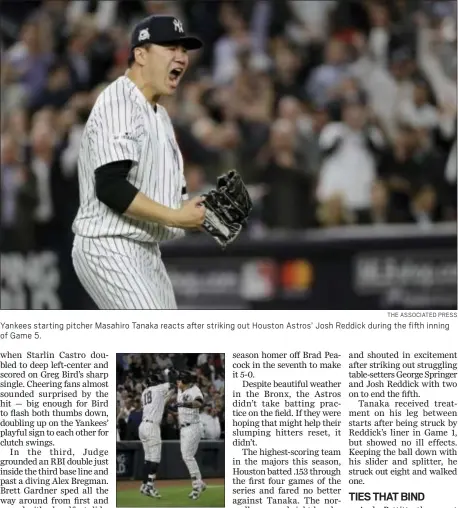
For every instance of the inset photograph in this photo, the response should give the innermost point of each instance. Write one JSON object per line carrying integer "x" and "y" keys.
{"x": 170, "y": 416}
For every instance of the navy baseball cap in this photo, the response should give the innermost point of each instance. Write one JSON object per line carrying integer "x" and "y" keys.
{"x": 163, "y": 29}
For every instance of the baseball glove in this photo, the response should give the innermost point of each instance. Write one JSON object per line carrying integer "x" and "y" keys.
{"x": 227, "y": 208}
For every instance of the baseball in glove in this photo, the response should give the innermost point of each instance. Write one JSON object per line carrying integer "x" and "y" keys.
{"x": 227, "y": 208}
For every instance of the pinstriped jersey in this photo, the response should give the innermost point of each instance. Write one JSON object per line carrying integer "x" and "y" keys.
{"x": 186, "y": 414}
{"x": 123, "y": 125}
{"x": 153, "y": 402}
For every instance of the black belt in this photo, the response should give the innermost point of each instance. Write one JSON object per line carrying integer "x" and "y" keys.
{"x": 185, "y": 425}
{"x": 150, "y": 421}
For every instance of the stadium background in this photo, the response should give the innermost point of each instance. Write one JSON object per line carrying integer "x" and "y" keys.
{"x": 132, "y": 370}
{"x": 341, "y": 116}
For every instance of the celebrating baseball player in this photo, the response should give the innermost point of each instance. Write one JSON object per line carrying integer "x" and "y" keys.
{"x": 131, "y": 179}
{"x": 189, "y": 402}
{"x": 154, "y": 399}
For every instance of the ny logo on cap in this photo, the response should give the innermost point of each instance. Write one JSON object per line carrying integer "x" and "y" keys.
{"x": 143, "y": 35}
{"x": 178, "y": 26}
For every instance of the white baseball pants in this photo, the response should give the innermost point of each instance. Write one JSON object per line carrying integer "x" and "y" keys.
{"x": 150, "y": 436}
{"x": 189, "y": 442}
{"x": 119, "y": 273}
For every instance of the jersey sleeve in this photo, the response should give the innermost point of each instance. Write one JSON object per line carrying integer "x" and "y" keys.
{"x": 165, "y": 389}
{"x": 197, "y": 394}
{"x": 117, "y": 132}
{"x": 329, "y": 135}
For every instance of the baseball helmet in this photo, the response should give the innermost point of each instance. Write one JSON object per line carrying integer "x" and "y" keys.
{"x": 185, "y": 377}
{"x": 152, "y": 380}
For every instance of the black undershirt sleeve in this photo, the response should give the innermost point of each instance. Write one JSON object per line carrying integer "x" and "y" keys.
{"x": 327, "y": 152}
{"x": 112, "y": 187}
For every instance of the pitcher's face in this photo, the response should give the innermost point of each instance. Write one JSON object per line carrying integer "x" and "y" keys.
{"x": 164, "y": 66}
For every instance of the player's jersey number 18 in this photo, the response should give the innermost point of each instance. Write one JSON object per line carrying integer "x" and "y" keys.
{"x": 147, "y": 398}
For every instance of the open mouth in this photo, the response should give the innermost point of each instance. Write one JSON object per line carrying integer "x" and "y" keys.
{"x": 175, "y": 74}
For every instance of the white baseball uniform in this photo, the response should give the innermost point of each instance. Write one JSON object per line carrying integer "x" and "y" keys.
{"x": 149, "y": 432}
{"x": 117, "y": 258}
{"x": 189, "y": 421}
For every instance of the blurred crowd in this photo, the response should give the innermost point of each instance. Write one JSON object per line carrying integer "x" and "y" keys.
{"x": 334, "y": 112}
{"x": 133, "y": 369}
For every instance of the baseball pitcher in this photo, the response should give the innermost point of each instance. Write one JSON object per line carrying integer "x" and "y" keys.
{"x": 130, "y": 169}
{"x": 131, "y": 180}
